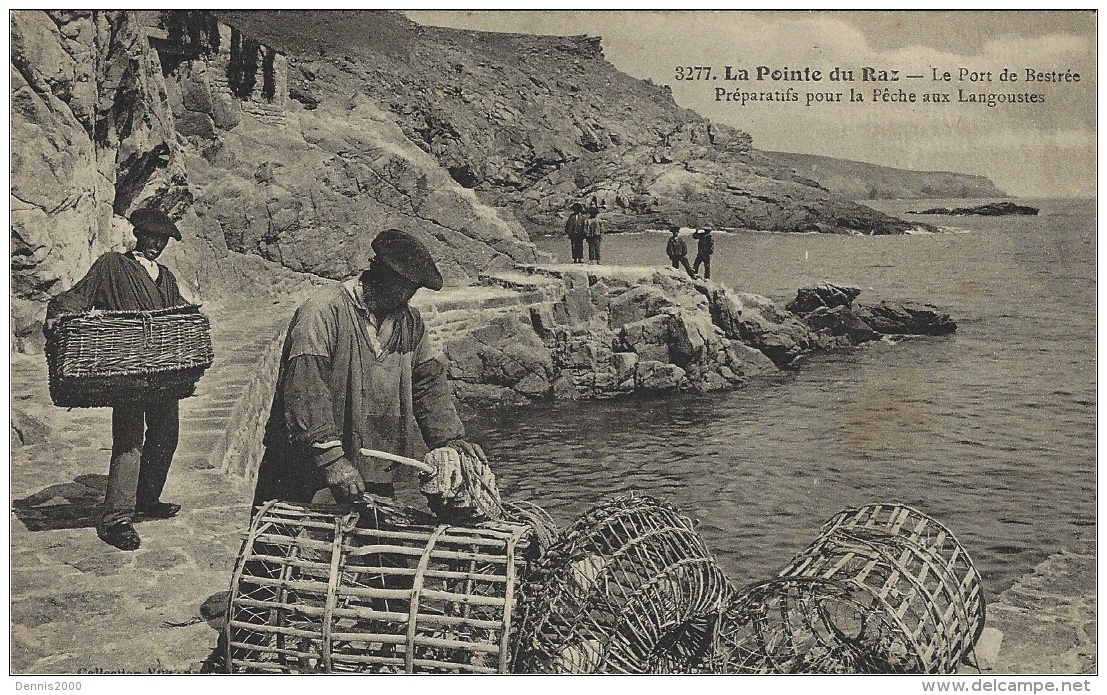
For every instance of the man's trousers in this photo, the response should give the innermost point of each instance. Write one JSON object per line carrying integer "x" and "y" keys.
{"x": 144, "y": 439}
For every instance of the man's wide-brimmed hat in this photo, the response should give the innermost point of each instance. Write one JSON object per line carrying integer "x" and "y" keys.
{"x": 150, "y": 221}
{"x": 407, "y": 256}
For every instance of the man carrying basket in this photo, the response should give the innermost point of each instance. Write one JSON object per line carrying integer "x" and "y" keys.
{"x": 144, "y": 434}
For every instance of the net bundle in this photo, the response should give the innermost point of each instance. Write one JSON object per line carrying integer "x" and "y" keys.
{"x": 107, "y": 358}
{"x": 382, "y": 589}
{"x": 462, "y": 489}
{"x": 628, "y": 588}
{"x": 883, "y": 589}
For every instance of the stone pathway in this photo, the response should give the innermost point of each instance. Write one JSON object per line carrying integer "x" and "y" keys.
{"x": 78, "y": 605}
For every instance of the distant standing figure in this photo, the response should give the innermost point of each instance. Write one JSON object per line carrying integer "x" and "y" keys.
{"x": 677, "y": 251}
{"x": 594, "y": 233}
{"x": 703, "y": 251}
{"x": 575, "y": 228}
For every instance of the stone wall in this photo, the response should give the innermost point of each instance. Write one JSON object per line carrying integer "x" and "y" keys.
{"x": 239, "y": 451}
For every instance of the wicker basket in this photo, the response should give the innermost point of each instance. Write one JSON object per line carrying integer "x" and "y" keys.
{"x": 381, "y": 590}
{"x": 109, "y": 358}
{"x": 629, "y": 588}
{"x": 807, "y": 625}
{"x": 883, "y": 589}
{"x": 927, "y": 551}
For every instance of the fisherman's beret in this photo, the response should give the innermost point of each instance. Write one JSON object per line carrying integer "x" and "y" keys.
{"x": 152, "y": 221}
{"x": 408, "y": 256}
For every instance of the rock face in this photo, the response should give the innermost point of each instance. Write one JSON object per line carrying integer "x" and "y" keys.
{"x": 296, "y": 137}
{"x": 988, "y": 209}
{"x": 532, "y": 123}
{"x": 115, "y": 110}
{"x": 91, "y": 136}
{"x": 309, "y": 185}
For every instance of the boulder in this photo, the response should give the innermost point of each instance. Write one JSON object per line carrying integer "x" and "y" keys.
{"x": 652, "y": 375}
{"x": 757, "y": 322}
{"x": 637, "y": 303}
{"x": 649, "y": 338}
{"x": 506, "y": 353}
{"x": 623, "y": 364}
{"x": 746, "y": 361}
{"x": 825, "y": 295}
{"x": 910, "y": 318}
{"x": 689, "y": 334}
{"x": 839, "y": 321}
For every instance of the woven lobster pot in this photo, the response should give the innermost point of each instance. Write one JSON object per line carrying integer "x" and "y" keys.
{"x": 628, "y": 588}
{"x": 380, "y": 590}
{"x": 910, "y": 599}
{"x": 109, "y": 358}
{"x": 807, "y": 625}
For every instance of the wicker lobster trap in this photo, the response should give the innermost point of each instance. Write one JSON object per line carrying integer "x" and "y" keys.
{"x": 384, "y": 589}
{"x": 628, "y": 588}
{"x": 805, "y": 625}
{"x": 883, "y": 589}
{"x": 107, "y": 358}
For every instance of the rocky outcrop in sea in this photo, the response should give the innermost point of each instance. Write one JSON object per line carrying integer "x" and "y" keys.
{"x": 600, "y": 331}
{"x": 988, "y": 209}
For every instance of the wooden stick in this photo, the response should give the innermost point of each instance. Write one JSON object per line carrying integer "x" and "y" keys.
{"x": 414, "y": 463}
{"x": 457, "y": 535}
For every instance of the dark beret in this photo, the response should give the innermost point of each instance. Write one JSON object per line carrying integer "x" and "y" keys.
{"x": 408, "y": 256}
{"x": 153, "y": 221}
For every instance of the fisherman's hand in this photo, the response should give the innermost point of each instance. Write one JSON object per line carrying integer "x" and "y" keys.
{"x": 344, "y": 480}
{"x": 468, "y": 448}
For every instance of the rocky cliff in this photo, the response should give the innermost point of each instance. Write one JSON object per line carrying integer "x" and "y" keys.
{"x": 295, "y": 137}
{"x": 864, "y": 181}
{"x": 532, "y": 123}
{"x": 114, "y": 110}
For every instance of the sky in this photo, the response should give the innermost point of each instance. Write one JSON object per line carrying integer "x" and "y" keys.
{"x": 1027, "y": 149}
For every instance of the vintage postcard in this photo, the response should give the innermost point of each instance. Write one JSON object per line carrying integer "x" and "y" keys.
{"x": 553, "y": 342}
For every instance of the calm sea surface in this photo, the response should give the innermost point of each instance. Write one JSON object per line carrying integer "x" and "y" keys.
{"x": 990, "y": 430}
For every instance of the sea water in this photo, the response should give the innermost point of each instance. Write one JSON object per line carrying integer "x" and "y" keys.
{"x": 991, "y": 430}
